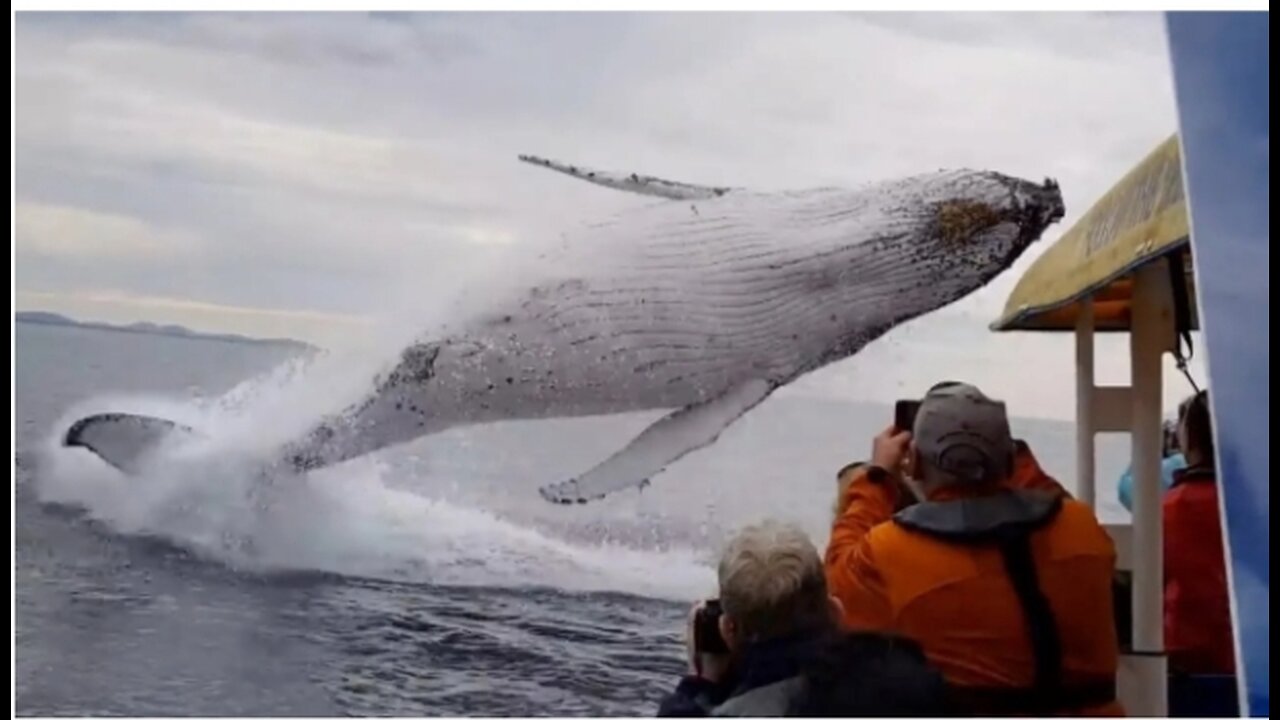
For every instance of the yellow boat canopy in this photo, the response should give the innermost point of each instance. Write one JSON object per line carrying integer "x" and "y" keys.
{"x": 1141, "y": 219}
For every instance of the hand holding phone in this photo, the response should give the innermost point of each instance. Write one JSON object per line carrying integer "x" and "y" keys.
{"x": 889, "y": 449}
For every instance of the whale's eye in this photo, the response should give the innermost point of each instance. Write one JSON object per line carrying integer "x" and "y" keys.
{"x": 959, "y": 220}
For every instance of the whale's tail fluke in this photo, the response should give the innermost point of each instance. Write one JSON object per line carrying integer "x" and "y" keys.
{"x": 124, "y": 440}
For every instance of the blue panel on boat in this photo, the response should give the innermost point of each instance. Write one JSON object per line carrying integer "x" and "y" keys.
{"x": 1222, "y": 78}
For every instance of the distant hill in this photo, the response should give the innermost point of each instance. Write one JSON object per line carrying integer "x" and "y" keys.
{"x": 146, "y": 328}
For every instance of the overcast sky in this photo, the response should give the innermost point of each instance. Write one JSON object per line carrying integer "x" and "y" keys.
{"x": 310, "y": 175}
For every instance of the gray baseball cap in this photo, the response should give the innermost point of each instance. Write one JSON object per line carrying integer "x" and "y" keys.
{"x": 964, "y": 433}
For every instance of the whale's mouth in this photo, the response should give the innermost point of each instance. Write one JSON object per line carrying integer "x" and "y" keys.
{"x": 985, "y": 239}
{"x": 1014, "y": 228}
{"x": 1039, "y": 205}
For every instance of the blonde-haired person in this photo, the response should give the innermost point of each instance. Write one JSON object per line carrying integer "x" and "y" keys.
{"x": 778, "y": 643}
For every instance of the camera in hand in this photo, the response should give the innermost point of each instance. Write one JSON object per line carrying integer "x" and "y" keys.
{"x": 904, "y": 415}
{"x": 706, "y": 629}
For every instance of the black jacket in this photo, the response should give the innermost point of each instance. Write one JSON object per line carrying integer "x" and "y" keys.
{"x": 845, "y": 675}
{"x": 761, "y": 664}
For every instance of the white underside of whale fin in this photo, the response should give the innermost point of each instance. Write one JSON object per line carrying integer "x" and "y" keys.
{"x": 123, "y": 440}
{"x": 640, "y": 184}
{"x": 661, "y": 444}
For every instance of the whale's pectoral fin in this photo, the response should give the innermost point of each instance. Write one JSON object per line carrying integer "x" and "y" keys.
{"x": 122, "y": 439}
{"x": 661, "y": 444}
{"x": 641, "y": 184}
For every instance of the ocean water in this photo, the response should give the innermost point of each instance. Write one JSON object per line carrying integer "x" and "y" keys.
{"x": 426, "y": 580}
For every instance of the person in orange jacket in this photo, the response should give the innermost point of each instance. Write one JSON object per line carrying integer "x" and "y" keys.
{"x": 1197, "y": 614}
{"x": 1003, "y": 579}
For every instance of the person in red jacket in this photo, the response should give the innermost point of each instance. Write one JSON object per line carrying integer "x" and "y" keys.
{"x": 1197, "y": 615}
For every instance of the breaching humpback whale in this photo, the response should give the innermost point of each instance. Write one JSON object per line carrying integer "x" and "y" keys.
{"x": 710, "y": 300}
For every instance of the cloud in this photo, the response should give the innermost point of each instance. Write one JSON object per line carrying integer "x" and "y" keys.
{"x": 75, "y": 233}
{"x": 384, "y": 39}
{"x": 364, "y": 164}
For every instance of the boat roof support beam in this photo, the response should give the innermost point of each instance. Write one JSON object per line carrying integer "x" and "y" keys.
{"x": 1136, "y": 409}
